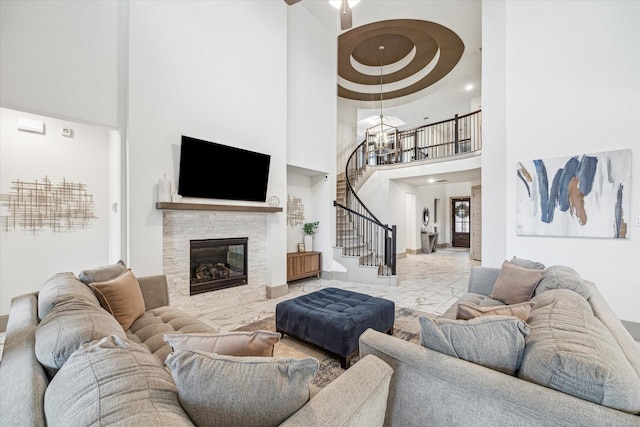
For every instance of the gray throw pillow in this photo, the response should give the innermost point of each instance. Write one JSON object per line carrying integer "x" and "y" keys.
{"x": 218, "y": 390}
{"x": 113, "y": 382}
{"x": 562, "y": 277}
{"x": 103, "y": 273}
{"x": 496, "y": 342}
{"x": 527, "y": 263}
{"x": 571, "y": 350}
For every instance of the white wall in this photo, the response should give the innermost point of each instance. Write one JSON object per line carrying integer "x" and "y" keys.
{"x": 61, "y": 58}
{"x": 299, "y": 186}
{"x": 28, "y": 259}
{"x": 311, "y": 93}
{"x": 311, "y": 125}
{"x": 578, "y": 82}
{"x": 211, "y": 70}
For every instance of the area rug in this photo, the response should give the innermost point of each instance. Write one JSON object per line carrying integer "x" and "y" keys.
{"x": 405, "y": 327}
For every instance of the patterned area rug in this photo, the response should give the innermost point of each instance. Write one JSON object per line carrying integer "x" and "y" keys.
{"x": 406, "y": 327}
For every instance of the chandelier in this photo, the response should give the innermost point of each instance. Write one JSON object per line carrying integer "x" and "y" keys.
{"x": 382, "y": 133}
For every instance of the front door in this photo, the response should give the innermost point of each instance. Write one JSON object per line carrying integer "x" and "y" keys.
{"x": 460, "y": 222}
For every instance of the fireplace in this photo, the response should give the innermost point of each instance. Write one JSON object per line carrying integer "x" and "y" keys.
{"x": 217, "y": 264}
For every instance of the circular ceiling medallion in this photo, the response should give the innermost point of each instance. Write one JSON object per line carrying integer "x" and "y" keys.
{"x": 411, "y": 48}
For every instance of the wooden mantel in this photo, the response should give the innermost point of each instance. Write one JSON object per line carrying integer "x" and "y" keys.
{"x": 207, "y": 207}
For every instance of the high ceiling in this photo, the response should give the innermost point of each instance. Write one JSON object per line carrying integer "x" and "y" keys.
{"x": 420, "y": 38}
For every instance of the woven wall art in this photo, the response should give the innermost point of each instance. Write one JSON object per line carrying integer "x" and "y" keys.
{"x": 34, "y": 206}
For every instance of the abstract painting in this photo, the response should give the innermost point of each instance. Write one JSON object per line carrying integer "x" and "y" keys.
{"x": 586, "y": 195}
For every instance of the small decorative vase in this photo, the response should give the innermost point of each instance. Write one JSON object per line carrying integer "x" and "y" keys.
{"x": 164, "y": 189}
{"x": 308, "y": 242}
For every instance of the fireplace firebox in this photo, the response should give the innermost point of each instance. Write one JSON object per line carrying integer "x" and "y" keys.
{"x": 217, "y": 264}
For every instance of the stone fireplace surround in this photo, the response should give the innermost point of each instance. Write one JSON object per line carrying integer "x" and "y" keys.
{"x": 180, "y": 227}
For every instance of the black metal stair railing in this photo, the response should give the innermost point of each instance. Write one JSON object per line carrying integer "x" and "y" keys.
{"x": 359, "y": 232}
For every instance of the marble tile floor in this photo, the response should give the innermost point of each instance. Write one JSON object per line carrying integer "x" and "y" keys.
{"x": 426, "y": 282}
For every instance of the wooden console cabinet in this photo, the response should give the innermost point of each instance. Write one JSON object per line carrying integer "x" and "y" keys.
{"x": 303, "y": 264}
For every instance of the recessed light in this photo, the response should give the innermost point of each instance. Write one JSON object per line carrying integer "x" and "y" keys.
{"x": 337, "y": 3}
{"x": 468, "y": 87}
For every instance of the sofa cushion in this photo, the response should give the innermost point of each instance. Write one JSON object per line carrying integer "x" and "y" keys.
{"x": 515, "y": 284}
{"x": 258, "y": 343}
{"x": 468, "y": 311}
{"x": 219, "y": 390}
{"x": 496, "y": 342}
{"x": 113, "y": 382}
{"x": 103, "y": 273}
{"x": 150, "y": 328}
{"x": 60, "y": 288}
{"x": 570, "y": 350}
{"x": 562, "y": 277}
{"x": 69, "y": 325}
{"x": 122, "y": 297}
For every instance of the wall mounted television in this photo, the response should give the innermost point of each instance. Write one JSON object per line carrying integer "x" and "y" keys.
{"x": 214, "y": 171}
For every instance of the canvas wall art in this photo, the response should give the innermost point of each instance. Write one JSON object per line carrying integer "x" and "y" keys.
{"x": 586, "y": 195}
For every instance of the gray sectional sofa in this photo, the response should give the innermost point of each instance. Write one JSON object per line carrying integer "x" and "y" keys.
{"x": 67, "y": 361}
{"x": 577, "y": 364}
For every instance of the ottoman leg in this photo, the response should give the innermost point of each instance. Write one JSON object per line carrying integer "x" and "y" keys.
{"x": 345, "y": 361}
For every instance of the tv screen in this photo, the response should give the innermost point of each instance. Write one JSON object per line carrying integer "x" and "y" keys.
{"x": 215, "y": 171}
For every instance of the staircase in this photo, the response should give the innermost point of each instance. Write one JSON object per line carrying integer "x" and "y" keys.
{"x": 353, "y": 249}
{"x": 365, "y": 246}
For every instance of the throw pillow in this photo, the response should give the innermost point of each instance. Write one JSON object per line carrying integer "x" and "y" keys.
{"x": 219, "y": 390}
{"x": 527, "y": 263}
{"x": 102, "y": 274}
{"x": 562, "y": 277}
{"x": 521, "y": 311}
{"x": 515, "y": 284}
{"x": 496, "y": 342}
{"x": 121, "y": 297}
{"x": 113, "y": 382}
{"x": 258, "y": 343}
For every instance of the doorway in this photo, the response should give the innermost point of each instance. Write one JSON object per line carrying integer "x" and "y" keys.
{"x": 460, "y": 222}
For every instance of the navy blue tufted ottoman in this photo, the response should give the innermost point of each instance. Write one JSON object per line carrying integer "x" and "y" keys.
{"x": 334, "y": 319}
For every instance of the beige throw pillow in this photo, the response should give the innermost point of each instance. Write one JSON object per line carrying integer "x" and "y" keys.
{"x": 258, "y": 343}
{"x": 218, "y": 390}
{"x": 121, "y": 297}
{"x": 521, "y": 311}
{"x": 516, "y": 284}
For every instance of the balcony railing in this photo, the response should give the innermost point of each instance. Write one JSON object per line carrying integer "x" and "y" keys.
{"x": 462, "y": 134}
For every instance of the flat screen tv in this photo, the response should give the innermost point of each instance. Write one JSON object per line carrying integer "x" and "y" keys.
{"x": 214, "y": 171}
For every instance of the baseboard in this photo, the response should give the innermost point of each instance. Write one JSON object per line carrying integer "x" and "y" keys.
{"x": 633, "y": 328}
{"x": 3, "y": 323}
{"x": 339, "y": 275}
{"x": 401, "y": 255}
{"x": 277, "y": 291}
{"x": 414, "y": 251}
